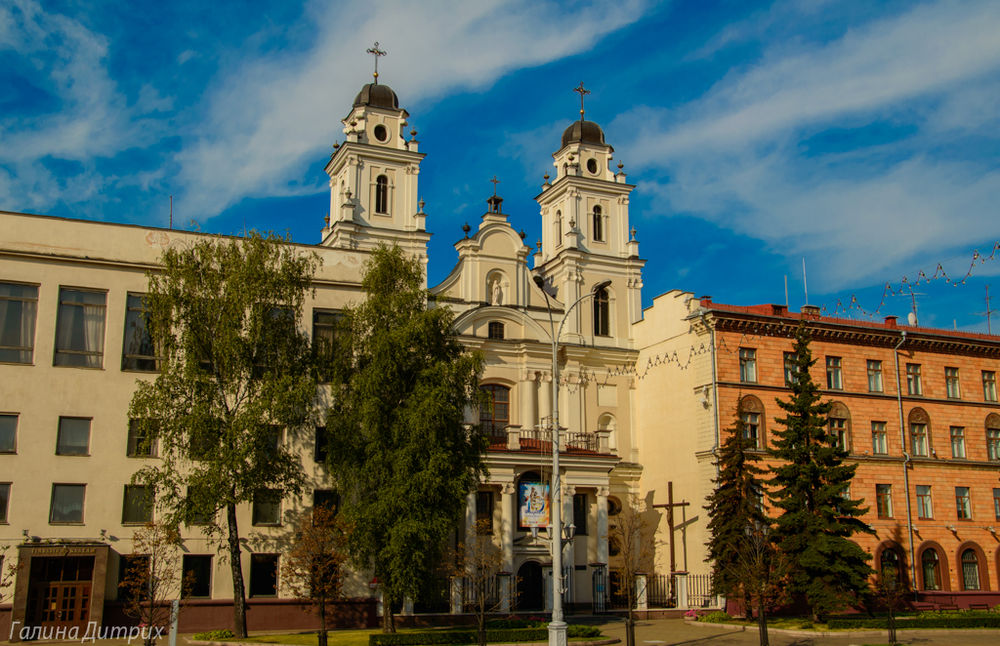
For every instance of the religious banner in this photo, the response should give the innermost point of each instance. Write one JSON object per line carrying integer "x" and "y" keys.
{"x": 534, "y": 497}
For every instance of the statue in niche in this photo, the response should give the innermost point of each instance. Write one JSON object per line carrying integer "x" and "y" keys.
{"x": 496, "y": 292}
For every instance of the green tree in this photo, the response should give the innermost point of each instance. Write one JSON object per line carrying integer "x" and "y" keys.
{"x": 817, "y": 519}
{"x": 734, "y": 508}
{"x": 404, "y": 460}
{"x": 234, "y": 376}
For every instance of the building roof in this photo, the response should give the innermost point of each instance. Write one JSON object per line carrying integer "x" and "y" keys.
{"x": 581, "y": 131}
{"x": 377, "y": 96}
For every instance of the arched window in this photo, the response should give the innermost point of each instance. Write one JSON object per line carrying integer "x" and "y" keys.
{"x": 839, "y": 423}
{"x": 602, "y": 318}
{"x": 930, "y": 566}
{"x": 558, "y": 226}
{"x": 890, "y": 565}
{"x": 970, "y": 570}
{"x": 382, "y": 194}
{"x": 752, "y": 416}
{"x": 495, "y": 417}
{"x": 598, "y": 218}
{"x": 920, "y": 434}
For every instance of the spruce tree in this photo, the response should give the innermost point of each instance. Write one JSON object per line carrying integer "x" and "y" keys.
{"x": 734, "y": 509}
{"x": 817, "y": 520}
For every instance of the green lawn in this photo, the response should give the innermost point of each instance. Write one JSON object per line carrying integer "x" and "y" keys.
{"x": 348, "y": 637}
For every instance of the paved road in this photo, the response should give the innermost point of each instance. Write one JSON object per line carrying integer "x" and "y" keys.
{"x": 675, "y": 632}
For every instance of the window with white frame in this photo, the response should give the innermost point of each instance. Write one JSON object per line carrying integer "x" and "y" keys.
{"x": 748, "y": 365}
{"x": 791, "y": 369}
{"x": 918, "y": 439}
{"x": 834, "y": 374}
{"x": 874, "y": 376}
{"x": 957, "y": 442}
{"x": 951, "y": 383}
{"x": 989, "y": 385}
{"x": 993, "y": 444}
{"x": 963, "y": 503}
{"x": 883, "y": 500}
{"x": 913, "y": 384}
{"x": 924, "y": 506}
{"x": 880, "y": 443}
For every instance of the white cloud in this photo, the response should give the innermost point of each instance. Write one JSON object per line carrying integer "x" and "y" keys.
{"x": 273, "y": 113}
{"x": 735, "y": 155}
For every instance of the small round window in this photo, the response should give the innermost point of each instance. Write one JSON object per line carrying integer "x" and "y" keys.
{"x": 592, "y": 166}
{"x": 381, "y": 133}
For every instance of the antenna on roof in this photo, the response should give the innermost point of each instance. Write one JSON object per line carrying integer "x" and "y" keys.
{"x": 786, "y": 291}
{"x": 988, "y": 312}
{"x": 912, "y": 316}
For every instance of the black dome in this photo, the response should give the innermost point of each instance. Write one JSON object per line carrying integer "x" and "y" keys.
{"x": 377, "y": 96}
{"x": 586, "y": 132}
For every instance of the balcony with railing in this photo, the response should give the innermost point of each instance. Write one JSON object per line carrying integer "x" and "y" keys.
{"x": 539, "y": 440}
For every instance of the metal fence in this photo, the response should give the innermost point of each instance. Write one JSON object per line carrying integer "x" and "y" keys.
{"x": 700, "y": 593}
{"x": 661, "y": 591}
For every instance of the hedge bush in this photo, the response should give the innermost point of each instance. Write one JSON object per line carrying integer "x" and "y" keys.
{"x": 214, "y": 635}
{"x": 579, "y": 630}
{"x": 458, "y": 637}
{"x": 902, "y": 623}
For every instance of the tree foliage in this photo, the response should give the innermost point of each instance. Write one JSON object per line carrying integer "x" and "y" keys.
{"x": 479, "y": 562}
{"x": 632, "y": 531}
{"x": 234, "y": 377}
{"x": 734, "y": 508}
{"x": 400, "y": 450}
{"x": 817, "y": 519}
{"x": 313, "y": 565}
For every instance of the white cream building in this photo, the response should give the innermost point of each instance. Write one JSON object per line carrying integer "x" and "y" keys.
{"x": 69, "y": 362}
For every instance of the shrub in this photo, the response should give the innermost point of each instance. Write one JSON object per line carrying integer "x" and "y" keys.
{"x": 922, "y": 621}
{"x": 214, "y": 635}
{"x": 579, "y": 630}
{"x": 511, "y": 622}
{"x": 716, "y": 617}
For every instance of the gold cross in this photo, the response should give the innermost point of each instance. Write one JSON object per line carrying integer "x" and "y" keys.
{"x": 376, "y": 52}
{"x": 583, "y": 92}
{"x": 495, "y": 182}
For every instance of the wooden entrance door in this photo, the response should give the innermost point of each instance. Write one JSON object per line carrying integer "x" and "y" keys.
{"x": 60, "y": 591}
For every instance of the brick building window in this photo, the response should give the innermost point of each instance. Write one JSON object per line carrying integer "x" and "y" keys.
{"x": 874, "y": 376}
{"x": 989, "y": 385}
{"x": 791, "y": 370}
{"x": 924, "y": 507}
{"x": 834, "y": 374}
{"x": 963, "y": 504}
{"x": 748, "y": 365}
{"x": 993, "y": 444}
{"x": 751, "y": 427}
{"x": 951, "y": 384}
{"x": 996, "y": 503}
{"x": 883, "y": 500}
{"x": 970, "y": 570}
{"x": 918, "y": 439}
{"x": 913, "y": 384}
{"x": 957, "y": 442}
{"x": 930, "y": 565}
{"x": 880, "y": 443}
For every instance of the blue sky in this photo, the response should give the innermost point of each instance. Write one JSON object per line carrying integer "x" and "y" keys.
{"x": 863, "y": 137}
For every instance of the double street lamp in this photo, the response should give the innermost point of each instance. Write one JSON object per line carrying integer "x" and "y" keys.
{"x": 557, "y": 627}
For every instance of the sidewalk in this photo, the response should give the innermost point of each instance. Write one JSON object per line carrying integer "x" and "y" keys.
{"x": 670, "y": 632}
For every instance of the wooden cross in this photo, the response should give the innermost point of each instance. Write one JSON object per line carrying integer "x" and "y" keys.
{"x": 669, "y": 506}
{"x": 495, "y": 182}
{"x": 376, "y": 52}
{"x": 583, "y": 92}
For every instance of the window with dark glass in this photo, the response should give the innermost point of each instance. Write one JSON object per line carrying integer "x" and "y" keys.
{"x": 138, "y": 352}
{"x": 751, "y": 428}
{"x": 989, "y": 385}
{"x": 8, "y": 433}
{"x": 581, "y": 509}
{"x": 957, "y": 441}
{"x": 67, "y": 503}
{"x": 598, "y": 218}
{"x": 137, "y": 504}
{"x": 382, "y": 195}
{"x": 834, "y": 374}
{"x": 141, "y": 438}
{"x": 197, "y": 575}
{"x": 951, "y": 383}
{"x": 132, "y": 569}
{"x": 970, "y": 570}
{"x": 602, "y": 314}
{"x": 748, "y": 365}
{"x": 924, "y": 506}
{"x": 495, "y": 330}
{"x": 963, "y": 504}
{"x": 321, "y": 447}
{"x": 18, "y": 307}
{"x": 889, "y": 564}
{"x": 323, "y": 338}
{"x": 913, "y": 384}
{"x": 263, "y": 575}
{"x": 484, "y": 512}
{"x": 326, "y": 498}
{"x": 883, "y": 500}
{"x": 874, "y": 375}
{"x": 930, "y": 564}
{"x": 73, "y": 437}
{"x": 80, "y": 328}
{"x": 838, "y": 428}
{"x": 266, "y": 507}
{"x": 4, "y": 500}
{"x": 996, "y": 503}
{"x": 494, "y": 415}
{"x": 880, "y": 443}
{"x": 791, "y": 369}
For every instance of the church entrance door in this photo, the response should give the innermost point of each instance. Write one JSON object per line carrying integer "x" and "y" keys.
{"x": 529, "y": 587}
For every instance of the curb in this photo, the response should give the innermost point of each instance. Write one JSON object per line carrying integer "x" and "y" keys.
{"x": 840, "y": 633}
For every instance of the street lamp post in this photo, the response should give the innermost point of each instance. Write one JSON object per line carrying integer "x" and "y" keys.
{"x": 557, "y": 627}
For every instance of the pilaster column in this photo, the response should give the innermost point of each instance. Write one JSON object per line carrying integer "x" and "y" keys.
{"x": 544, "y": 394}
{"x": 602, "y": 525}
{"x": 508, "y": 524}
{"x": 528, "y": 393}
{"x": 470, "y": 518}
